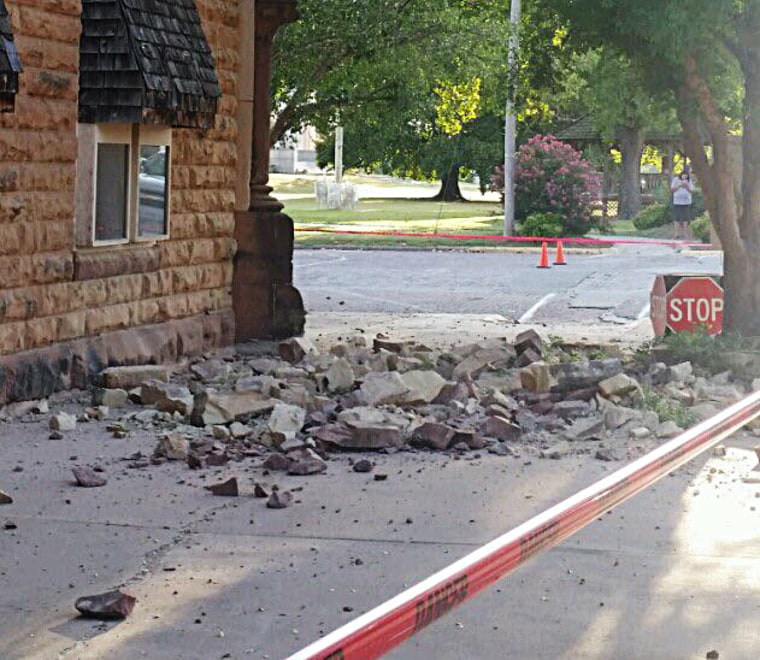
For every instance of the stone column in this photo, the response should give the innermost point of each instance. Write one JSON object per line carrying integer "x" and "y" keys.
{"x": 266, "y": 304}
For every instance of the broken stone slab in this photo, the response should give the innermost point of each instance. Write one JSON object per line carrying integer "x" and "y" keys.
{"x": 572, "y": 376}
{"x": 276, "y": 463}
{"x": 221, "y": 432}
{"x": 433, "y": 436}
{"x": 166, "y": 397}
{"x": 453, "y": 392}
{"x": 125, "y": 378}
{"x": 369, "y": 429}
{"x": 280, "y": 499}
{"x": 217, "y": 460}
{"x": 113, "y": 398}
{"x": 173, "y": 447}
{"x": 108, "y": 606}
{"x": 284, "y": 422}
{"x": 585, "y": 429}
{"x": 618, "y": 385}
{"x": 536, "y": 377}
{"x": 337, "y": 435}
{"x": 557, "y": 450}
{"x": 616, "y": 416}
{"x": 339, "y": 377}
{"x": 5, "y": 498}
{"x": 502, "y": 429}
{"x": 294, "y": 350}
{"x": 486, "y": 358}
{"x": 571, "y": 409}
{"x": 268, "y": 386}
{"x": 239, "y": 431}
{"x": 385, "y": 388}
{"x": 305, "y": 462}
{"x": 527, "y": 358}
{"x": 680, "y": 373}
{"x": 639, "y": 433}
{"x": 528, "y": 340}
{"x": 88, "y": 478}
{"x": 227, "y": 408}
{"x": 63, "y": 422}
{"x": 423, "y": 387}
{"x": 227, "y": 488}
{"x": 211, "y": 370}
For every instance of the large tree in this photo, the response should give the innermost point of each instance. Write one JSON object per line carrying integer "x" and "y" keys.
{"x": 707, "y": 54}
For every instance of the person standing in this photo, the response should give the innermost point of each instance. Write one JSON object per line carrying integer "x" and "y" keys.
{"x": 682, "y": 188}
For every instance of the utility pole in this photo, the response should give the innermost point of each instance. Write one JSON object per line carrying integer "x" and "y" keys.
{"x": 338, "y": 154}
{"x": 510, "y": 125}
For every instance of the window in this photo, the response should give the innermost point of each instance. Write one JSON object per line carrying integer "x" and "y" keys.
{"x": 123, "y": 183}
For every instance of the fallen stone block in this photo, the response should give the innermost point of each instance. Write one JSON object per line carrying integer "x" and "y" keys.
{"x": 280, "y": 500}
{"x": 536, "y": 377}
{"x": 339, "y": 377}
{"x": 113, "y": 398}
{"x": 503, "y": 429}
{"x": 679, "y": 373}
{"x": 423, "y": 387}
{"x": 126, "y": 378}
{"x": 433, "y": 436}
{"x": 108, "y": 606}
{"x": 227, "y": 488}
{"x": 571, "y": 376}
{"x": 276, "y": 463}
{"x": 528, "y": 340}
{"x": 618, "y": 385}
{"x": 305, "y": 462}
{"x": 174, "y": 447}
{"x": 585, "y": 429}
{"x": 285, "y": 422}
{"x": 227, "y": 408}
{"x": 383, "y": 388}
{"x": 296, "y": 349}
{"x": 63, "y": 422}
{"x": 88, "y": 478}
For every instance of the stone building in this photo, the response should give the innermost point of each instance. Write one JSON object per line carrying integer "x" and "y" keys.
{"x": 131, "y": 229}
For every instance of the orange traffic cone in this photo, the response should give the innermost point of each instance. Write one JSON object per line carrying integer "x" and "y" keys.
{"x": 544, "y": 263}
{"x": 559, "y": 260}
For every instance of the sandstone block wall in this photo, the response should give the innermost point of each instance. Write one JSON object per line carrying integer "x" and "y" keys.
{"x": 51, "y": 292}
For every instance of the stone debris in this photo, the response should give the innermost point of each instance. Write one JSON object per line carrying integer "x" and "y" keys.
{"x": 173, "y": 447}
{"x": 108, "y": 606}
{"x": 536, "y": 377}
{"x": 339, "y": 377}
{"x": 285, "y": 422}
{"x": 305, "y": 461}
{"x": 166, "y": 397}
{"x": 228, "y": 488}
{"x": 280, "y": 499}
{"x": 5, "y": 498}
{"x": 112, "y": 398}
{"x": 432, "y": 435}
{"x": 386, "y": 388}
{"x": 88, "y": 478}
{"x": 363, "y": 466}
{"x": 296, "y": 349}
{"x": 63, "y": 422}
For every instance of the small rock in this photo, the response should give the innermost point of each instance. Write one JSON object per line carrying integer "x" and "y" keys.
{"x": 276, "y": 463}
{"x": 433, "y": 436}
{"x": 194, "y": 462}
{"x": 604, "y": 454}
{"x": 556, "y": 451}
{"x": 305, "y": 461}
{"x": 10, "y": 525}
{"x": 63, "y": 422}
{"x": 132, "y": 376}
{"x": 363, "y": 466}
{"x": 719, "y": 451}
{"x": 381, "y": 477}
{"x": 280, "y": 499}
{"x": 174, "y": 447}
{"x": 88, "y": 478}
{"x": 107, "y": 606}
{"x": 585, "y": 429}
{"x": 640, "y": 432}
{"x": 339, "y": 377}
{"x": 239, "y": 431}
{"x": 260, "y": 490}
{"x": 227, "y": 488}
{"x": 113, "y": 398}
{"x": 680, "y": 372}
{"x": 221, "y": 432}
{"x": 5, "y": 498}
{"x": 712, "y": 655}
{"x": 528, "y": 339}
{"x": 295, "y": 349}
{"x": 536, "y": 377}
{"x": 668, "y": 429}
{"x": 385, "y": 388}
{"x": 502, "y": 429}
{"x": 617, "y": 385}
{"x": 285, "y": 421}
{"x": 55, "y": 435}
{"x": 217, "y": 460}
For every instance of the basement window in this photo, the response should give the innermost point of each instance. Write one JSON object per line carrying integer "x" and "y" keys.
{"x": 123, "y": 184}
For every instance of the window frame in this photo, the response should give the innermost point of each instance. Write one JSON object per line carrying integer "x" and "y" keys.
{"x": 90, "y": 136}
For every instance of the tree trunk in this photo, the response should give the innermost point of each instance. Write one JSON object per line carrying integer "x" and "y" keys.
{"x": 631, "y": 148}
{"x": 450, "y": 191}
{"x": 732, "y": 192}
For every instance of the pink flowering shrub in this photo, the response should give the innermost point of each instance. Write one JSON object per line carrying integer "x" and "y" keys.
{"x": 552, "y": 178}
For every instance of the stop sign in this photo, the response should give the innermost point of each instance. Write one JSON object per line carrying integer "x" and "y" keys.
{"x": 695, "y": 302}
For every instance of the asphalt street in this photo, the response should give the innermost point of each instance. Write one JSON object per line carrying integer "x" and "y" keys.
{"x": 609, "y": 286}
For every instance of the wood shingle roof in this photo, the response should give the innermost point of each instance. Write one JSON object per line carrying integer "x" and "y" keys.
{"x": 146, "y": 61}
{"x": 10, "y": 64}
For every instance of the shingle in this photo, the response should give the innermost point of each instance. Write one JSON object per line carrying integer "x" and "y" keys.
{"x": 154, "y": 50}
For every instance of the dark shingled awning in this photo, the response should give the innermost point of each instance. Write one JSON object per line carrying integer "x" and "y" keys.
{"x": 10, "y": 64}
{"x": 146, "y": 61}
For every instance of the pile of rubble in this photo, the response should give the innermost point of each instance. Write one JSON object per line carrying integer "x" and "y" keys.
{"x": 293, "y": 408}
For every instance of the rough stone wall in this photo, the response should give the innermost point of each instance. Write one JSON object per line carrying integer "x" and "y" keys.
{"x": 49, "y": 292}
